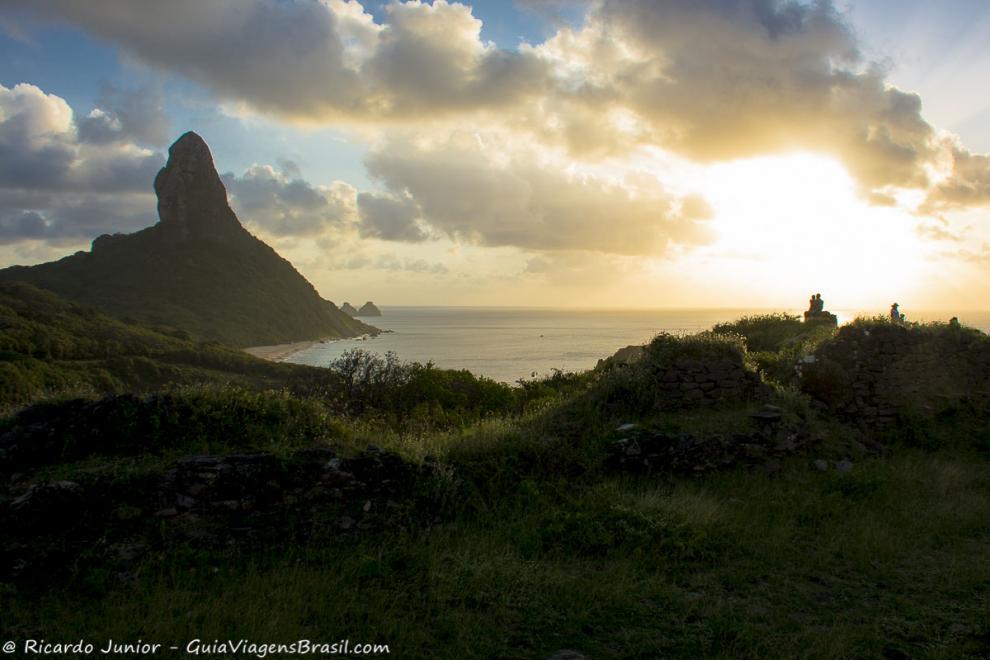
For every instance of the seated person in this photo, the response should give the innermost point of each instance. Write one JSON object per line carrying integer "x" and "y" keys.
{"x": 895, "y": 314}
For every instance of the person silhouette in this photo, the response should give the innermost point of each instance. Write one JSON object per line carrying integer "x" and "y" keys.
{"x": 895, "y": 314}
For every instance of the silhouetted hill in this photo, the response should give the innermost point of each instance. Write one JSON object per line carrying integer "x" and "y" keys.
{"x": 52, "y": 347}
{"x": 197, "y": 270}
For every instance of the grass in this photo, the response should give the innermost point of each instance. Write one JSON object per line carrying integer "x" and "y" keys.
{"x": 888, "y": 559}
{"x": 527, "y": 544}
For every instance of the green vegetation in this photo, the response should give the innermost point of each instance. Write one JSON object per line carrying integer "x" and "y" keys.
{"x": 764, "y": 332}
{"x": 51, "y": 348}
{"x": 238, "y": 291}
{"x": 776, "y": 342}
{"x": 518, "y": 536}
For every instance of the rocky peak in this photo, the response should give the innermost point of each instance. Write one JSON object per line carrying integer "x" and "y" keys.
{"x": 192, "y": 201}
{"x": 368, "y": 309}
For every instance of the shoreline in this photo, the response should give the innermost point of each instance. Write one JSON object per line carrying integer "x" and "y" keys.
{"x": 279, "y": 352}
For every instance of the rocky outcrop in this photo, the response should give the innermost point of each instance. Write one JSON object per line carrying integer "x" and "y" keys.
{"x": 348, "y": 308}
{"x": 192, "y": 200}
{"x": 368, "y": 309}
{"x": 197, "y": 270}
{"x": 626, "y": 355}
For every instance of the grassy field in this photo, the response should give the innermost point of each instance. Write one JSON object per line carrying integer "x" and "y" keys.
{"x": 889, "y": 560}
{"x": 529, "y": 541}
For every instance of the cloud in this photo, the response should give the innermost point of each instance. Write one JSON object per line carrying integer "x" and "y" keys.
{"x": 72, "y": 218}
{"x": 133, "y": 115}
{"x": 706, "y": 79}
{"x": 57, "y": 187}
{"x": 314, "y": 60}
{"x": 389, "y": 262}
{"x": 724, "y": 79}
{"x": 392, "y": 218}
{"x": 580, "y": 270}
{"x": 284, "y": 204}
{"x": 967, "y": 183}
{"x": 937, "y": 230}
{"x": 40, "y": 149}
{"x": 476, "y": 194}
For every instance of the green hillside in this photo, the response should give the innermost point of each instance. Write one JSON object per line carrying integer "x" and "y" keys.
{"x": 49, "y": 347}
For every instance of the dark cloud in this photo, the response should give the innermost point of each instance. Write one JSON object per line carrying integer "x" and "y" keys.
{"x": 391, "y": 218}
{"x": 284, "y": 204}
{"x": 62, "y": 219}
{"x": 135, "y": 115}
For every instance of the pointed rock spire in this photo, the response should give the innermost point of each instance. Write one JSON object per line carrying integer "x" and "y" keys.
{"x": 192, "y": 201}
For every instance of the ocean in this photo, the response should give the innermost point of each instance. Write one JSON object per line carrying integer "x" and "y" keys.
{"x": 508, "y": 344}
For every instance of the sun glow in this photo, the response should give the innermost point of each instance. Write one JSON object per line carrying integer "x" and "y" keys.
{"x": 790, "y": 224}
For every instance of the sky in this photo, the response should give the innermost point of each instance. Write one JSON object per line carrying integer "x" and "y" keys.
{"x": 608, "y": 153}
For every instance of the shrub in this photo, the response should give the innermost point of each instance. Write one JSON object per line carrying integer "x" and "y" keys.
{"x": 764, "y": 332}
{"x": 364, "y": 383}
{"x": 703, "y": 346}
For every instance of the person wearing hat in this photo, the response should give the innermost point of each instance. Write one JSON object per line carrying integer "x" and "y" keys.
{"x": 895, "y": 314}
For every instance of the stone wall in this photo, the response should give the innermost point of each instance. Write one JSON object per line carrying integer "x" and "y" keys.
{"x": 880, "y": 372}
{"x": 686, "y": 382}
{"x": 242, "y": 500}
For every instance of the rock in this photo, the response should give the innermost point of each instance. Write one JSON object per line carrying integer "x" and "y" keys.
{"x": 623, "y": 356}
{"x": 844, "y": 465}
{"x": 192, "y": 201}
{"x": 768, "y": 413}
{"x": 57, "y": 505}
{"x": 625, "y": 428}
{"x": 348, "y": 308}
{"x": 820, "y": 464}
{"x": 567, "y": 654}
{"x": 368, "y": 309}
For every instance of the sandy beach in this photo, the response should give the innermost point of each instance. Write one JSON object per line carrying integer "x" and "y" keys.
{"x": 278, "y": 352}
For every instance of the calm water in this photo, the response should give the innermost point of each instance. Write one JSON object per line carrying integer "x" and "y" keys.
{"x": 512, "y": 343}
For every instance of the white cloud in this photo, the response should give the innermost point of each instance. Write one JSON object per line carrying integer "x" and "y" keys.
{"x": 470, "y": 191}
{"x": 57, "y": 187}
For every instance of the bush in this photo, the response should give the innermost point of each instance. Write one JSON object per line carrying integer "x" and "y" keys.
{"x": 368, "y": 384}
{"x": 764, "y": 332}
{"x": 703, "y": 346}
{"x": 634, "y": 389}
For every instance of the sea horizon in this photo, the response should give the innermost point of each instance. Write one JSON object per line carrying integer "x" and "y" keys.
{"x": 509, "y": 344}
